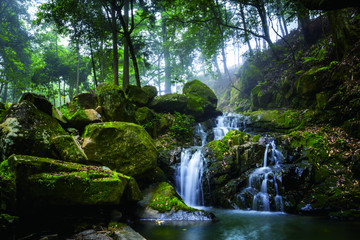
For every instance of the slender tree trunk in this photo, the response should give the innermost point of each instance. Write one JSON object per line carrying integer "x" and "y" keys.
{"x": 115, "y": 47}
{"x": 4, "y": 99}
{"x": 284, "y": 24}
{"x": 245, "y": 27}
{"x": 166, "y": 56}
{"x": 126, "y": 65}
{"x": 131, "y": 49}
{"x": 281, "y": 27}
{"x": 71, "y": 92}
{"x": 78, "y": 70}
{"x": 64, "y": 91}
{"x": 101, "y": 61}
{"x": 59, "y": 85}
{"x": 93, "y": 64}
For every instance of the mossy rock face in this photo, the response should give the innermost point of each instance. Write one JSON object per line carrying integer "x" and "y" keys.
{"x": 144, "y": 115}
{"x": 69, "y": 149}
{"x": 42, "y": 182}
{"x": 87, "y": 100}
{"x": 115, "y": 106}
{"x": 39, "y": 101}
{"x": 137, "y": 95}
{"x": 27, "y": 130}
{"x": 203, "y": 95}
{"x": 309, "y": 83}
{"x": 235, "y": 137}
{"x": 124, "y": 147}
{"x": 150, "y": 91}
{"x": 169, "y": 103}
{"x": 85, "y": 117}
{"x": 165, "y": 198}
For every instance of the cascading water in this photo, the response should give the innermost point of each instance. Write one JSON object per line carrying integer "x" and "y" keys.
{"x": 258, "y": 187}
{"x": 190, "y": 171}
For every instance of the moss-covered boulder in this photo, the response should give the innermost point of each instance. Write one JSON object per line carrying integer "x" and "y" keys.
{"x": 169, "y": 103}
{"x": 140, "y": 96}
{"x": 43, "y": 182}
{"x": 27, "y": 130}
{"x": 124, "y": 147}
{"x": 309, "y": 83}
{"x": 115, "y": 106}
{"x": 202, "y": 94}
{"x": 39, "y": 101}
{"x": 150, "y": 91}
{"x": 161, "y": 201}
{"x": 69, "y": 149}
{"x": 87, "y": 100}
{"x": 85, "y": 117}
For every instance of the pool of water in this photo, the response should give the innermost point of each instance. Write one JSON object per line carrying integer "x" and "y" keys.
{"x": 239, "y": 224}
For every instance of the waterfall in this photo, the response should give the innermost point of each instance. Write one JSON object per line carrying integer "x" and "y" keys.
{"x": 262, "y": 198}
{"x": 189, "y": 172}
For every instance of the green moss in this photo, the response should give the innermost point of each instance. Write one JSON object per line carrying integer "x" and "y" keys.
{"x": 235, "y": 137}
{"x": 256, "y": 138}
{"x": 165, "y": 199}
{"x": 107, "y": 87}
{"x": 219, "y": 148}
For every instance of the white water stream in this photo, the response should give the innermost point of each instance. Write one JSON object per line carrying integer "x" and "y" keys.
{"x": 190, "y": 171}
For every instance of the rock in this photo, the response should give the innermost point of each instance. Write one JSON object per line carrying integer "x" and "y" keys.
{"x": 44, "y": 182}
{"x": 144, "y": 115}
{"x": 203, "y": 95}
{"x": 115, "y": 106}
{"x": 116, "y": 230}
{"x": 169, "y": 103}
{"x": 139, "y": 96}
{"x": 150, "y": 91}
{"x": 82, "y": 118}
{"x": 309, "y": 83}
{"x": 86, "y": 100}
{"x": 27, "y": 130}
{"x": 162, "y": 202}
{"x": 39, "y": 101}
{"x": 69, "y": 149}
{"x": 59, "y": 116}
{"x": 321, "y": 100}
{"x": 124, "y": 147}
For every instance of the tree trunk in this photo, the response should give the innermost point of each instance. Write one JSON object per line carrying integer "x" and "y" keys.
{"x": 101, "y": 62}
{"x": 131, "y": 49}
{"x": 4, "y": 99}
{"x": 59, "y": 86}
{"x": 284, "y": 24}
{"x": 245, "y": 27}
{"x": 115, "y": 47}
{"x": 166, "y": 56}
{"x": 126, "y": 48}
{"x": 93, "y": 63}
{"x": 281, "y": 27}
{"x": 78, "y": 70}
{"x": 341, "y": 33}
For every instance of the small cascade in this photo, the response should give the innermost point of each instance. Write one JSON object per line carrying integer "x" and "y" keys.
{"x": 264, "y": 198}
{"x": 189, "y": 172}
{"x": 227, "y": 122}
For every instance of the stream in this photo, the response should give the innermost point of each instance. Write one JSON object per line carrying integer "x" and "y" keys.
{"x": 240, "y": 224}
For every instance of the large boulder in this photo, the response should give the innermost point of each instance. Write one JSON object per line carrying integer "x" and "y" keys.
{"x": 140, "y": 96}
{"x": 43, "y": 182}
{"x": 115, "y": 106}
{"x": 86, "y": 100}
{"x": 39, "y": 101}
{"x": 124, "y": 147}
{"x": 169, "y": 103}
{"x": 85, "y": 117}
{"x": 203, "y": 95}
{"x": 27, "y": 130}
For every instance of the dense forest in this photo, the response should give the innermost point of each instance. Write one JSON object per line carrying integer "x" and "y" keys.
{"x": 118, "y": 112}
